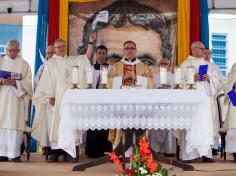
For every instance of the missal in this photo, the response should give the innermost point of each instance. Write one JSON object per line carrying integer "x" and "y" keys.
{"x": 232, "y": 97}
{"x": 12, "y": 75}
{"x": 202, "y": 71}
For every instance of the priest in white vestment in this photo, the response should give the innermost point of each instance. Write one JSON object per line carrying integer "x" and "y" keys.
{"x": 163, "y": 140}
{"x": 50, "y": 51}
{"x": 208, "y": 87}
{"x": 55, "y": 80}
{"x": 15, "y": 94}
{"x": 219, "y": 82}
{"x": 129, "y": 72}
{"x": 230, "y": 122}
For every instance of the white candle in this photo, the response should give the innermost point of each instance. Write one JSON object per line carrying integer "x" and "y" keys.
{"x": 163, "y": 75}
{"x": 75, "y": 75}
{"x": 104, "y": 75}
{"x": 178, "y": 75}
{"x": 190, "y": 75}
{"x": 89, "y": 76}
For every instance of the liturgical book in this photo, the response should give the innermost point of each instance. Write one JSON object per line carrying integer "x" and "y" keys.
{"x": 12, "y": 75}
{"x": 232, "y": 97}
{"x": 202, "y": 71}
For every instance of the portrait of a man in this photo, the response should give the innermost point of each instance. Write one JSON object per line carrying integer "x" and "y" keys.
{"x": 151, "y": 29}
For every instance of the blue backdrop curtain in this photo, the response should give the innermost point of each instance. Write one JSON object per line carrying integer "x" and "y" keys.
{"x": 204, "y": 34}
{"x": 42, "y": 28}
{"x": 41, "y": 43}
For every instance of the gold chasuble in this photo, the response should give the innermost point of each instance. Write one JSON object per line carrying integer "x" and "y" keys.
{"x": 118, "y": 70}
{"x": 139, "y": 69}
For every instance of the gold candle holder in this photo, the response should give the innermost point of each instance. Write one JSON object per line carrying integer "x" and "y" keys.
{"x": 164, "y": 86}
{"x": 90, "y": 86}
{"x": 177, "y": 86}
{"x": 191, "y": 86}
{"x": 75, "y": 86}
{"x": 104, "y": 86}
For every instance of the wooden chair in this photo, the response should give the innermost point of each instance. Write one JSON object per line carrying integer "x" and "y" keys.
{"x": 28, "y": 134}
{"x": 222, "y": 134}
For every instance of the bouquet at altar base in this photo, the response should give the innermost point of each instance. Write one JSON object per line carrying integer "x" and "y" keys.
{"x": 141, "y": 162}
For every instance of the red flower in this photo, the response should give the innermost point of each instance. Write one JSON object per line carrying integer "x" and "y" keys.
{"x": 152, "y": 166}
{"x": 119, "y": 169}
{"x": 117, "y": 162}
{"x": 113, "y": 156}
{"x": 141, "y": 160}
{"x": 129, "y": 172}
{"x": 143, "y": 145}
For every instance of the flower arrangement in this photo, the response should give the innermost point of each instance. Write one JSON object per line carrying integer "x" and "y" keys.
{"x": 141, "y": 162}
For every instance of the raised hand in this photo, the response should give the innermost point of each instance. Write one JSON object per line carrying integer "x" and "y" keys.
{"x": 92, "y": 37}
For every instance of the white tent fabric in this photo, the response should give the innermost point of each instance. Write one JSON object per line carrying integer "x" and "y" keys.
{"x": 222, "y": 6}
{"x": 18, "y": 6}
{"x": 30, "y": 6}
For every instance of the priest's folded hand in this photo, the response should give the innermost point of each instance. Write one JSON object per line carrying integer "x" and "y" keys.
{"x": 206, "y": 77}
{"x": 196, "y": 77}
{"x": 128, "y": 75}
{"x": 52, "y": 101}
{"x": 9, "y": 82}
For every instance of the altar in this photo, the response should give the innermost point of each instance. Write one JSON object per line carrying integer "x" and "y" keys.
{"x": 84, "y": 109}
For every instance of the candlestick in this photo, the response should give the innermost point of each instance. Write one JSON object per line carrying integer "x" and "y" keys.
{"x": 75, "y": 76}
{"x": 89, "y": 75}
{"x": 163, "y": 75}
{"x": 190, "y": 75}
{"x": 178, "y": 75}
{"x": 104, "y": 75}
{"x": 191, "y": 81}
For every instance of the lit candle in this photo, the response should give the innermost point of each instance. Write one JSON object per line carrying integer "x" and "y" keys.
{"x": 163, "y": 75}
{"x": 190, "y": 75}
{"x": 178, "y": 75}
{"x": 89, "y": 76}
{"x": 104, "y": 75}
{"x": 75, "y": 75}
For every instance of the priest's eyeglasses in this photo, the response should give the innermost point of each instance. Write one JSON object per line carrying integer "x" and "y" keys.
{"x": 200, "y": 48}
{"x": 131, "y": 48}
{"x": 13, "y": 50}
{"x": 60, "y": 46}
{"x": 164, "y": 64}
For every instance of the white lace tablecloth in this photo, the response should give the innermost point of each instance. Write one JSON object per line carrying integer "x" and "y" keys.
{"x": 135, "y": 108}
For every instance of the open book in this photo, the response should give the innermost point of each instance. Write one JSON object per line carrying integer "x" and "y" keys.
{"x": 12, "y": 75}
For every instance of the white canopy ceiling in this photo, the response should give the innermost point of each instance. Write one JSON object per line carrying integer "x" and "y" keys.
{"x": 222, "y": 6}
{"x": 18, "y": 6}
{"x": 30, "y": 6}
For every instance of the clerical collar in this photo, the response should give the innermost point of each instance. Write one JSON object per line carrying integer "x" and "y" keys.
{"x": 59, "y": 57}
{"x": 130, "y": 62}
{"x": 97, "y": 66}
{"x": 13, "y": 60}
{"x": 195, "y": 58}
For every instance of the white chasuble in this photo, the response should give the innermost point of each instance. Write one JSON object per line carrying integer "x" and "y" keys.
{"x": 55, "y": 80}
{"x": 14, "y": 102}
